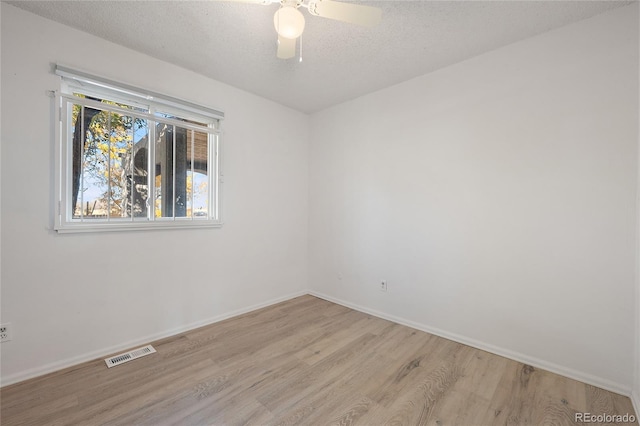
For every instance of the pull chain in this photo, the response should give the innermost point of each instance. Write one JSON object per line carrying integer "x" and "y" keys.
{"x": 300, "y": 59}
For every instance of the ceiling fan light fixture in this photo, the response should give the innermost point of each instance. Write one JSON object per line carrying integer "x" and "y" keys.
{"x": 289, "y": 22}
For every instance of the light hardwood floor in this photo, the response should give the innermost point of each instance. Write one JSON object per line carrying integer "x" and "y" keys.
{"x": 310, "y": 362}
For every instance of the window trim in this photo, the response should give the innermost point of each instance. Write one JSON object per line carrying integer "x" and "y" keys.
{"x": 64, "y": 223}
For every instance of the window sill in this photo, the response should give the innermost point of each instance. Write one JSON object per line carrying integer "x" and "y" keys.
{"x": 72, "y": 228}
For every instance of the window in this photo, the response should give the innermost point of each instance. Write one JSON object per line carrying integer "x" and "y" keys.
{"x": 131, "y": 159}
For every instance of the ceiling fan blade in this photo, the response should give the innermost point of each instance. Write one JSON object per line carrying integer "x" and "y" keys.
{"x": 359, "y": 14}
{"x": 286, "y": 47}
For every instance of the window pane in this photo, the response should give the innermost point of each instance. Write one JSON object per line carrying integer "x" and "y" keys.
{"x": 120, "y": 144}
{"x": 189, "y": 167}
{"x": 201, "y": 196}
{"x": 182, "y": 149}
{"x": 200, "y": 183}
{"x": 181, "y": 172}
{"x": 109, "y": 175}
{"x": 135, "y": 169}
{"x": 76, "y": 149}
{"x": 91, "y": 160}
{"x": 164, "y": 170}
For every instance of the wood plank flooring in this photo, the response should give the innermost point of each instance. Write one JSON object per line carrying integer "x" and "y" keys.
{"x": 306, "y": 361}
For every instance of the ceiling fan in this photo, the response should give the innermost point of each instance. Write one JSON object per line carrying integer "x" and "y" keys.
{"x": 289, "y": 21}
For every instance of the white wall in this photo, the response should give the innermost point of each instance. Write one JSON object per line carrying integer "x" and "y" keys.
{"x": 497, "y": 197}
{"x": 70, "y": 297}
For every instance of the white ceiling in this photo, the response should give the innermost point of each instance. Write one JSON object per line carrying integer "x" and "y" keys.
{"x": 235, "y": 42}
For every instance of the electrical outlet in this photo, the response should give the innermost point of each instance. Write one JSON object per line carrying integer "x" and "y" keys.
{"x": 383, "y": 286}
{"x": 5, "y": 332}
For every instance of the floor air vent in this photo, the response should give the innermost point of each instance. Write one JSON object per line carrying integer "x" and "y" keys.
{"x": 129, "y": 356}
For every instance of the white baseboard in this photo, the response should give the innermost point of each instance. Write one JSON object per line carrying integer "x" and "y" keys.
{"x": 516, "y": 356}
{"x": 104, "y": 352}
{"x": 535, "y": 362}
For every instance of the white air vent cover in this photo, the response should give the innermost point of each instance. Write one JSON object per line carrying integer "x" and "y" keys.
{"x": 129, "y": 356}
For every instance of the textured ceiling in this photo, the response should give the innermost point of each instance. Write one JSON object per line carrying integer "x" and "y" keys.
{"x": 235, "y": 42}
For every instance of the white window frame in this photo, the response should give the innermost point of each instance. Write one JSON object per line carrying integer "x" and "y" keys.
{"x": 79, "y": 82}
